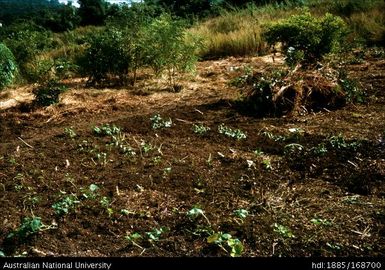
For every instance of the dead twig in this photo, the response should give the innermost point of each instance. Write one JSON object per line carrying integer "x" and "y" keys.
{"x": 30, "y": 146}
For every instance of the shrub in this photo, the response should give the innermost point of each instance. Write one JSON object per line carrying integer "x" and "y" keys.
{"x": 48, "y": 93}
{"x": 106, "y": 56}
{"x": 306, "y": 39}
{"x": 26, "y": 42}
{"x": 168, "y": 48}
{"x": 7, "y": 66}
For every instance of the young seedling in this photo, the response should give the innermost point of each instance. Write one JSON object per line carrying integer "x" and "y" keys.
{"x": 258, "y": 152}
{"x": 321, "y": 221}
{"x": 132, "y": 238}
{"x": 221, "y": 239}
{"x": 283, "y": 231}
{"x": 154, "y": 235}
{"x": 105, "y": 203}
{"x": 320, "y": 149}
{"x": 232, "y": 133}
{"x": 29, "y": 227}
{"x": 106, "y": 130}
{"x": 158, "y": 122}
{"x": 195, "y": 212}
{"x": 200, "y": 129}
{"x": 241, "y": 213}
{"x": 267, "y": 163}
{"x": 69, "y": 132}
{"x": 64, "y": 206}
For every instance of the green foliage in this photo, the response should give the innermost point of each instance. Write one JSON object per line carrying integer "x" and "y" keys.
{"x": 224, "y": 240}
{"x": 169, "y": 48}
{"x": 106, "y": 130}
{"x": 8, "y": 66}
{"x": 241, "y": 213}
{"x": 158, "y": 122}
{"x": 283, "y": 231}
{"x": 106, "y": 56}
{"x": 306, "y": 39}
{"x": 64, "y": 206}
{"x": 28, "y": 227}
{"x": 232, "y": 133}
{"x": 348, "y": 7}
{"x": 27, "y": 41}
{"x": 48, "y": 93}
{"x": 339, "y": 142}
{"x": 200, "y": 129}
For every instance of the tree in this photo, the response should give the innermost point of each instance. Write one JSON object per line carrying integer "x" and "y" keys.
{"x": 92, "y": 12}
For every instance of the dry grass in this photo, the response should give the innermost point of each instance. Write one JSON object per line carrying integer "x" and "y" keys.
{"x": 238, "y": 32}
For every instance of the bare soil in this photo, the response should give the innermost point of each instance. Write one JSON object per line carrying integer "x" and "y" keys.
{"x": 315, "y": 187}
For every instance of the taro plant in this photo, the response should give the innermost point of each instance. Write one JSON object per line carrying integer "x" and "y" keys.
{"x": 232, "y": 133}
{"x": 158, "y": 122}
{"x": 283, "y": 231}
{"x": 339, "y": 142}
{"x": 105, "y": 202}
{"x": 28, "y": 227}
{"x": 200, "y": 129}
{"x": 226, "y": 242}
{"x": 196, "y": 212}
{"x": 64, "y": 206}
{"x": 106, "y": 130}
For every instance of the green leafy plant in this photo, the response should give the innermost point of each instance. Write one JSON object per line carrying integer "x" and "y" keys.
{"x": 306, "y": 39}
{"x": 321, "y": 221}
{"x": 320, "y": 149}
{"x": 196, "y": 212}
{"x": 267, "y": 164}
{"x": 154, "y": 235}
{"x": 106, "y": 130}
{"x": 258, "y": 152}
{"x": 339, "y": 142}
{"x": 169, "y": 48}
{"x": 8, "y": 67}
{"x": 283, "y": 231}
{"x": 232, "y": 133}
{"x": 200, "y": 129}
{"x": 28, "y": 227}
{"x": 105, "y": 203}
{"x": 64, "y": 206}
{"x": 158, "y": 122}
{"x": 241, "y": 213}
{"x": 48, "y": 93}
{"x": 70, "y": 132}
{"x": 225, "y": 240}
{"x": 133, "y": 238}
{"x": 91, "y": 192}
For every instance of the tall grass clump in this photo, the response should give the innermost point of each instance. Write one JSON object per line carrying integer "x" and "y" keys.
{"x": 237, "y": 32}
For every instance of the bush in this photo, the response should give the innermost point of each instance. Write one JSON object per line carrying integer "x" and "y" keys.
{"x": 106, "y": 56}
{"x": 48, "y": 93}
{"x": 8, "y": 67}
{"x": 169, "y": 48}
{"x": 306, "y": 39}
{"x": 26, "y": 42}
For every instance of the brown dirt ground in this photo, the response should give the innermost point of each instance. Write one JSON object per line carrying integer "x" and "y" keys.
{"x": 343, "y": 189}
